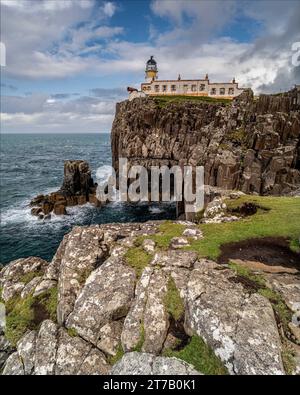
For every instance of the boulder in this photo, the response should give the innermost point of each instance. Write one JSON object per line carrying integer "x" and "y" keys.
{"x": 238, "y": 325}
{"x": 81, "y": 251}
{"x": 13, "y": 277}
{"x": 106, "y": 296}
{"x": 136, "y": 363}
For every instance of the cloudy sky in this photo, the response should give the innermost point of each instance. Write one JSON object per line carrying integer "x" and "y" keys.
{"x": 69, "y": 61}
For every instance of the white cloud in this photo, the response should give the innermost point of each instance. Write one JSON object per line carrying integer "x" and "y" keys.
{"x": 40, "y": 112}
{"x": 109, "y": 9}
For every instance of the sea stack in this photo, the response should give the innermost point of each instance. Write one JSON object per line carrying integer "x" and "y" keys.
{"x": 78, "y": 188}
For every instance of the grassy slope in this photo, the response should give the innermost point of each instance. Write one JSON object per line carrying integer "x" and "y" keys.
{"x": 282, "y": 219}
{"x": 164, "y": 100}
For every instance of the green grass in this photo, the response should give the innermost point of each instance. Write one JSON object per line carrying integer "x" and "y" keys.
{"x": 27, "y": 314}
{"x": 26, "y": 278}
{"x": 138, "y": 259}
{"x": 168, "y": 230}
{"x": 281, "y": 219}
{"x": 288, "y": 359}
{"x": 162, "y": 100}
{"x": 113, "y": 359}
{"x": 201, "y": 356}
{"x": 173, "y": 302}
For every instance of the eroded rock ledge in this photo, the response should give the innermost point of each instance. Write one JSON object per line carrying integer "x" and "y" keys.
{"x": 120, "y": 316}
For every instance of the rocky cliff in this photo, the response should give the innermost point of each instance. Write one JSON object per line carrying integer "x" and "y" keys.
{"x": 249, "y": 144}
{"x": 129, "y": 299}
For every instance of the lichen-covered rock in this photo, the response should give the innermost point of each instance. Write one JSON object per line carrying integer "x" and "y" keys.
{"x": 136, "y": 363}
{"x": 13, "y": 277}
{"x": 13, "y": 366}
{"x": 239, "y": 326}
{"x": 132, "y": 328}
{"x": 83, "y": 250}
{"x": 110, "y": 337}
{"x": 46, "y": 347}
{"x": 106, "y": 296}
{"x": 149, "y": 246}
{"x": 26, "y": 349}
{"x": 76, "y": 356}
{"x": 288, "y": 286}
{"x": 179, "y": 242}
{"x": 6, "y": 349}
{"x": 175, "y": 258}
{"x": 156, "y": 319}
{"x": 193, "y": 233}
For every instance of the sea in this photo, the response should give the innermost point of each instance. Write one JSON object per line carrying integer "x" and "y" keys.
{"x": 32, "y": 164}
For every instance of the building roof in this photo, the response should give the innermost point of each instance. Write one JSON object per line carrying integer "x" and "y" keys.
{"x": 151, "y": 61}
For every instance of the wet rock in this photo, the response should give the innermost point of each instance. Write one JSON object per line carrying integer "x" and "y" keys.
{"x": 135, "y": 363}
{"x": 106, "y": 296}
{"x": 60, "y": 209}
{"x": 240, "y": 327}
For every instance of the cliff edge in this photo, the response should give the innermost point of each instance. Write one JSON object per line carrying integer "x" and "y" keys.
{"x": 248, "y": 144}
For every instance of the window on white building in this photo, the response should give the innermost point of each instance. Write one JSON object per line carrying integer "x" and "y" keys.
{"x": 185, "y": 87}
{"x": 156, "y": 88}
{"x": 213, "y": 91}
{"x": 222, "y": 91}
{"x": 194, "y": 88}
{"x": 173, "y": 88}
{"x": 164, "y": 88}
{"x": 230, "y": 91}
{"x": 202, "y": 87}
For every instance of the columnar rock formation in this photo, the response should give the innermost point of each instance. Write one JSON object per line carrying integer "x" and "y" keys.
{"x": 78, "y": 188}
{"x": 250, "y": 144}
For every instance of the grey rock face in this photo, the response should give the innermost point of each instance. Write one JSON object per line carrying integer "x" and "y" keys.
{"x": 135, "y": 363}
{"x": 106, "y": 296}
{"x": 13, "y": 366}
{"x": 175, "y": 258}
{"x": 156, "y": 320}
{"x": 240, "y": 327}
{"x": 46, "y": 347}
{"x": 76, "y": 356}
{"x": 249, "y": 145}
{"x": 12, "y": 276}
{"x": 83, "y": 251}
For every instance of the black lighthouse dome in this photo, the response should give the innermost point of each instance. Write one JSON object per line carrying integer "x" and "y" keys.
{"x": 151, "y": 64}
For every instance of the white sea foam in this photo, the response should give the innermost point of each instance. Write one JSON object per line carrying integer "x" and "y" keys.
{"x": 156, "y": 210}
